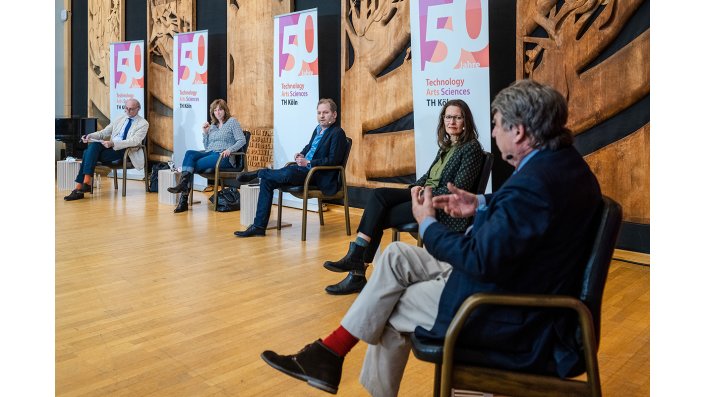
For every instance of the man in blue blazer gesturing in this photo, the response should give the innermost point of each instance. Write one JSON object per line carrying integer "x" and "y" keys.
{"x": 531, "y": 236}
{"x": 326, "y": 147}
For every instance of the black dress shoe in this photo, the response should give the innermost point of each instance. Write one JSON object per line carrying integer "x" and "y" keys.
{"x": 251, "y": 231}
{"x": 86, "y": 188}
{"x": 75, "y": 194}
{"x": 315, "y": 364}
{"x": 349, "y": 285}
{"x": 351, "y": 261}
{"x": 246, "y": 177}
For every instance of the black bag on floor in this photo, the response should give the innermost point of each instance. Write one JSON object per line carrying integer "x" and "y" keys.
{"x": 153, "y": 177}
{"x": 228, "y": 200}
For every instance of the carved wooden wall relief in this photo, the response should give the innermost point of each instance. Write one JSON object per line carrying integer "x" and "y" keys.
{"x": 569, "y": 56}
{"x": 104, "y": 27}
{"x": 374, "y": 33}
{"x": 165, "y": 18}
{"x": 250, "y": 63}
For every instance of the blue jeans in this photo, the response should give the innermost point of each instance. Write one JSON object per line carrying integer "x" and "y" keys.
{"x": 94, "y": 153}
{"x": 199, "y": 161}
{"x": 270, "y": 180}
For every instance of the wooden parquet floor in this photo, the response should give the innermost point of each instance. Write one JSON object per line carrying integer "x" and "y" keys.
{"x": 151, "y": 303}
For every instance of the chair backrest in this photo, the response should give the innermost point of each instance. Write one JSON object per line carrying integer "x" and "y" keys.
{"x": 241, "y": 160}
{"x": 348, "y": 147}
{"x": 481, "y": 183}
{"x": 595, "y": 276}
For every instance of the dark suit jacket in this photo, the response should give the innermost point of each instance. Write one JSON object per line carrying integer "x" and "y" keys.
{"x": 534, "y": 237}
{"x": 330, "y": 151}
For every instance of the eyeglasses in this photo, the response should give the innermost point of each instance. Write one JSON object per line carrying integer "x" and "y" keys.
{"x": 450, "y": 118}
{"x": 130, "y": 109}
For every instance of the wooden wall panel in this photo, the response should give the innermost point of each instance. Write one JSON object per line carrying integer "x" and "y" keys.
{"x": 377, "y": 32}
{"x": 598, "y": 87}
{"x": 250, "y": 60}
{"x": 623, "y": 171}
{"x": 165, "y": 18}
{"x": 104, "y": 27}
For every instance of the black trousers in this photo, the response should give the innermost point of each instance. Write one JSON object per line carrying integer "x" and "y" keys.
{"x": 385, "y": 208}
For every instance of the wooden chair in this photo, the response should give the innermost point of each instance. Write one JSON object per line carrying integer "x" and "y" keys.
{"x": 220, "y": 175}
{"x": 452, "y": 373}
{"x": 308, "y": 191}
{"x": 478, "y": 188}
{"x": 124, "y": 165}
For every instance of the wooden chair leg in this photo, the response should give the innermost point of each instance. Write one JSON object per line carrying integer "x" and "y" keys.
{"x": 419, "y": 240}
{"x": 347, "y": 215}
{"x": 437, "y": 381}
{"x": 279, "y": 210}
{"x": 216, "y": 185}
{"x": 115, "y": 183}
{"x": 395, "y": 234}
{"x": 303, "y": 221}
{"x": 124, "y": 179}
{"x": 320, "y": 211}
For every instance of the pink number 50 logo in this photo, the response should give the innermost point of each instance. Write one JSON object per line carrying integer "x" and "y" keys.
{"x": 454, "y": 33}
{"x": 297, "y": 45}
{"x": 127, "y": 64}
{"x": 191, "y": 58}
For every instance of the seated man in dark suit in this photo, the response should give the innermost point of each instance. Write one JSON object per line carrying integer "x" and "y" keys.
{"x": 326, "y": 147}
{"x": 533, "y": 235}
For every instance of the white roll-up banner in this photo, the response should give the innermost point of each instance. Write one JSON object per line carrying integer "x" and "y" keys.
{"x": 190, "y": 109}
{"x": 295, "y": 86}
{"x": 126, "y": 82}
{"x": 126, "y": 76}
{"x": 450, "y": 43}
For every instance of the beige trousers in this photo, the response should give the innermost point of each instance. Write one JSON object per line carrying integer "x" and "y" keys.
{"x": 403, "y": 293}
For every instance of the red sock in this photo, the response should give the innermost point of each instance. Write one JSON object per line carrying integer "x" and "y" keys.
{"x": 340, "y": 341}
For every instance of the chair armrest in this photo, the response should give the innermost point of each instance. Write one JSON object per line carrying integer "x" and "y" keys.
{"x": 234, "y": 156}
{"x": 323, "y": 168}
{"x": 519, "y": 300}
{"x": 140, "y": 146}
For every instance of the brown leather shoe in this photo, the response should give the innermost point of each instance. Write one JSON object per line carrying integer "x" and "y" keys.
{"x": 315, "y": 364}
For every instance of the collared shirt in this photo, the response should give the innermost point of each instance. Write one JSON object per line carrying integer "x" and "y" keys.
{"x": 314, "y": 145}
{"x": 118, "y": 137}
{"x": 481, "y": 200}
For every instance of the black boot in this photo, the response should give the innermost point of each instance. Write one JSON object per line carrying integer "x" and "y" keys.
{"x": 315, "y": 364}
{"x": 184, "y": 184}
{"x": 349, "y": 285}
{"x": 351, "y": 261}
{"x": 183, "y": 203}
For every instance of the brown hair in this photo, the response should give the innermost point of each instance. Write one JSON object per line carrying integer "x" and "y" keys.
{"x": 219, "y": 103}
{"x": 469, "y": 132}
{"x": 330, "y": 102}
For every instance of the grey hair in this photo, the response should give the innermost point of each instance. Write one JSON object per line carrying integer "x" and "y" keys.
{"x": 541, "y": 109}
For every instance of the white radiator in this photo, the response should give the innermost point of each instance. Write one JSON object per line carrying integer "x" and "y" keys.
{"x": 167, "y": 179}
{"x": 66, "y": 172}
{"x": 248, "y": 203}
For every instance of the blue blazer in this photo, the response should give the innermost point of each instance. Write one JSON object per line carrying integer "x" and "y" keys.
{"x": 534, "y": 237}
{"x": 330, "y": 151}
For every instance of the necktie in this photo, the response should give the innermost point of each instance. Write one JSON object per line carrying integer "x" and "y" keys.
{"x": 127, "y": 128}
